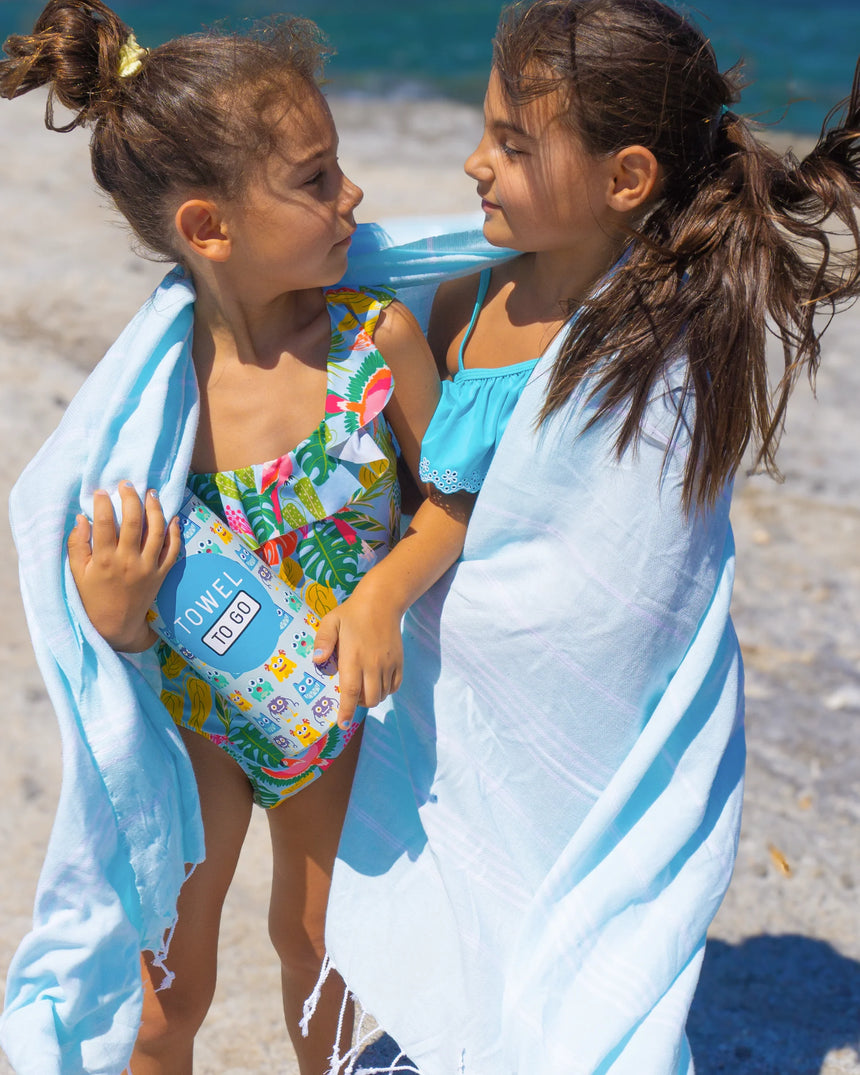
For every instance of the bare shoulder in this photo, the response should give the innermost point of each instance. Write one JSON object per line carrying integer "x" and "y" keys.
{"x": 452, "y": 308}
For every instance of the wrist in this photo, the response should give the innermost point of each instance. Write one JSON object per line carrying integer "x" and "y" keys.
{"x": 143, "y": 640}
{"x": 385, "y": 594}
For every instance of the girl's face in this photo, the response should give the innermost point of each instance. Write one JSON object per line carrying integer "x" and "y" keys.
{"x": 539, "y": 189}
{"x": 291, "y": 228}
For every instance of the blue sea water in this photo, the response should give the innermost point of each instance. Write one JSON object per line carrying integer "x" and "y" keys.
{"x": 799, "y": 55}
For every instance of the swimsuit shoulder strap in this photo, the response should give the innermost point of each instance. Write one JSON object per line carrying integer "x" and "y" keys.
{"x": 483, "y": 287}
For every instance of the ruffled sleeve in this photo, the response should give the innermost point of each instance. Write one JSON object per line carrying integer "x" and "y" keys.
{"x": 470, "y": 419}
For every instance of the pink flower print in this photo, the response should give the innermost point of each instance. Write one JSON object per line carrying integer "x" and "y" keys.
{"x": 363, "y": 341}
{"x": 275, "y": 477}
{"x": 301, "y": 764}
{"x": 237, "y": 521}
{"x": 346, "y": 531}
{"x": 372, "y": 400}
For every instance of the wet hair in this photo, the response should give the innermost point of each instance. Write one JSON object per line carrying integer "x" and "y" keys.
{"x": 199, "y": 114}
{"x": 736, "y": 242}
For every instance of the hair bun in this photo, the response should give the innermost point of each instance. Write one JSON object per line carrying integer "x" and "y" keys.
{"x": 75, "y": 49}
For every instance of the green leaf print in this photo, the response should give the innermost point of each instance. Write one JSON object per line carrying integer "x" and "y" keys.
{"x": 337, "y": 346}
{"x": 308, "y": 496}
{"x": 246, "y": 476}
{"x": 362, "y": 522}
{"x": 312, "y": 458}
{"x": 293, "y": 516}
{"x": 255, "y": 745}
{"x": 227, "y": 487}
{"x": 261, "y": 516}
{"x": 327, "y": 557}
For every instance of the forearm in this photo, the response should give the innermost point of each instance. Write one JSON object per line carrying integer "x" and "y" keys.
{"x": 431, "y": 544}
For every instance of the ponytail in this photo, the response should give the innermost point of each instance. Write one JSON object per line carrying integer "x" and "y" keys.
{"x": 736, "y": 246}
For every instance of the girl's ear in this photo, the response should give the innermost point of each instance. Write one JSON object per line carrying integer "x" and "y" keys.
{"x": 634, "y": 176}
{"x": 203, "y": 230}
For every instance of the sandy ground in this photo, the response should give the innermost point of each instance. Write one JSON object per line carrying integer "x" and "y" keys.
{"x": 780, "y": 991}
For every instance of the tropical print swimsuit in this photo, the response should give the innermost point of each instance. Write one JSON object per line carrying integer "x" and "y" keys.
{"x": 321, "y": 516}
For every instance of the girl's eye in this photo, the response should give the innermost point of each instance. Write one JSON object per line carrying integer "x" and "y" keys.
{"x": 315, "y": 178}
{"x": 509, "y": 150}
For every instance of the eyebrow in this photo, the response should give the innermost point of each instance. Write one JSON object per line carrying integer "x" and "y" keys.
{"x": 315, "y": 155}
{"x": 504, "y": 125}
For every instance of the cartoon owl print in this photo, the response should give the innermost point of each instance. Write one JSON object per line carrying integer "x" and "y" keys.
{"x": 308, "y": 687}
{"x": 245, "y": 555}
{"x": 305, "y": 733}
{"x": 284, "y": 619}
{"x": 303, "y": 643}
{"x": 283, "y": 707}
{"x": 259, "y": 688}
{"x": 221, "y": 531}
{"x": 280, "y": 666}
{"x": 189, "y": 527}
{"x": 322, "y": 711}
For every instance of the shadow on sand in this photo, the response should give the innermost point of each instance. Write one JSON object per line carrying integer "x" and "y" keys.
{"x": 770, "y": 1006}
{"x": 773, "y": 1005}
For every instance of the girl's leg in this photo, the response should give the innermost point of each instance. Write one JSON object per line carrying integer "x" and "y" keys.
{"x": 305, "y": 831}
{"x": 172, "y": 1017}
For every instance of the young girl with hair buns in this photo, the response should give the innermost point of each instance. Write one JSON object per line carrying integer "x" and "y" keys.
{"x": 277, "y": 398}
{"x": 545, "y": 816}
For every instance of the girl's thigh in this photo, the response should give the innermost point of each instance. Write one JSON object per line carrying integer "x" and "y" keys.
{"x": 305, "y": 831}
{"x": 225, "y": 803}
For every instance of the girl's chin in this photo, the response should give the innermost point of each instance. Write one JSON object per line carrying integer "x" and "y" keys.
{"x": 497, "y": 236}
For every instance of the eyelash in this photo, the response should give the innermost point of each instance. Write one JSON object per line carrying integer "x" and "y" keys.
{"x": 314, "y": 178}
{"x": 509, "y": 151}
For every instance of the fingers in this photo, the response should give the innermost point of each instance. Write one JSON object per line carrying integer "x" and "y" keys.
{"x": 104, "y": 536}
{"x": 131, "y": 524}
{"x": 350, "y": 683}
{"x": 170, "y": 547}
{"x": 326, "y": 638}
{"x": 160, "y": 545}
{"x": 78, "y": 547}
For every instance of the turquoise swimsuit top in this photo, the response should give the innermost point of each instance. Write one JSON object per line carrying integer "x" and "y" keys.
{"x": 471, "y": 417}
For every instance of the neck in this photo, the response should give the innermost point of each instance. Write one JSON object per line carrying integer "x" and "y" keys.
{"x": 229, "y": 327}
{"x": 565, "y": 277}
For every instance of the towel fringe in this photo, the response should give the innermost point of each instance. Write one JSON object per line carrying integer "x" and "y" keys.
{"x": 362, "y": 1037}
{"x": 310, "y": 1005}
{"x": 159, "y": 957}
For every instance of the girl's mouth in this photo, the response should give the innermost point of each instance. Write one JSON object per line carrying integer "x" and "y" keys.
{"x": 488, "y": 207}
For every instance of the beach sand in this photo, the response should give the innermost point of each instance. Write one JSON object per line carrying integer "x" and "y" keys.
{"x": 780, "y": 989}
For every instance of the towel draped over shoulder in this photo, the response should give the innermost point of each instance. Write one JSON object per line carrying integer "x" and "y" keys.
{"x": 545, "y": 816}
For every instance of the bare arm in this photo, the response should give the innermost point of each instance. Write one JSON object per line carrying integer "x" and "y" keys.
{"x": 366, "y": 627}
{"x": 119, "y": 574}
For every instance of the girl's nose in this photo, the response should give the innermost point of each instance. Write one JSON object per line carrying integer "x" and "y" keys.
{"x": 476, "y": 164}
{"x": 351, "y": 194}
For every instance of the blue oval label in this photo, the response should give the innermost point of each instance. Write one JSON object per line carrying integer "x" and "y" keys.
{"x": 220, "y": 612}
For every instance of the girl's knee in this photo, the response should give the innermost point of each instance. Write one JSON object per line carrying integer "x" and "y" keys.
{"x": 171, "y": 1017}
{"x": 300, "y": 945}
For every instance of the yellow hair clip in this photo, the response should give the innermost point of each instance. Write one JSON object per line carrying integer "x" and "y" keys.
{"x": 130, "y": 56}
